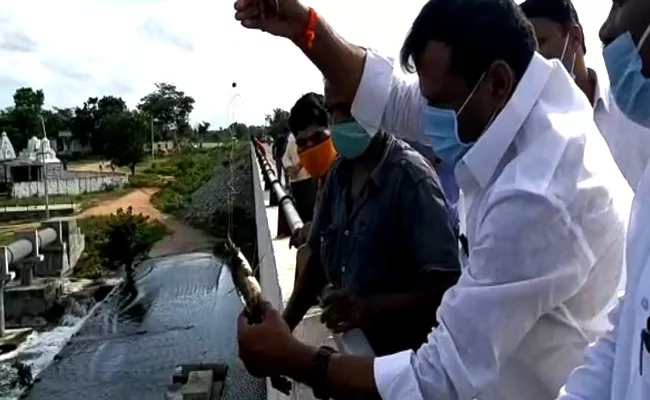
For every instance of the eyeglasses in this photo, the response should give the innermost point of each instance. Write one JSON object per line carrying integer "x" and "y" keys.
{"x": 312, "y": 140}
{"x": 645, "y": 343}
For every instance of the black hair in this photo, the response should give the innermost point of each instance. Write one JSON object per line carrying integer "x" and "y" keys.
{"x": 308, "y": 110}
{"x": 559, "y": 11}
{"x": 478, "y": 32}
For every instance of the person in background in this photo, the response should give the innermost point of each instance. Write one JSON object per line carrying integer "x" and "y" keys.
{"x": 314, "y": 146}
{"x": 547, "y": 207}
{"x": 279, "y": 146}
{"x": 372, "y": 240}
{"x": 302, "y": 125}
{"x": 316, "y": 153}
{"x": 561, "y": 36}
{"x": 617, "y": 365}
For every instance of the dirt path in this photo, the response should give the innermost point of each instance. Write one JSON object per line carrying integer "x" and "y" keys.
{"x": 184, "y": 239}
{"x": 93, "y": 166}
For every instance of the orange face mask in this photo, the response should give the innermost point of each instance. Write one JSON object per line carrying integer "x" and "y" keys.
{"x": 318, "y": 159}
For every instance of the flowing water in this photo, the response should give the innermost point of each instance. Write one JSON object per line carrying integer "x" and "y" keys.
{"x": 180, "y": 309}
{"x": 38, "y": 351}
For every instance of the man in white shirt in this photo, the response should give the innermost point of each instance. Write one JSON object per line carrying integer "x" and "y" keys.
{"x": 560, "y": 36}
{"x": 617, "y": 366}
{"x": 546, "y": 205}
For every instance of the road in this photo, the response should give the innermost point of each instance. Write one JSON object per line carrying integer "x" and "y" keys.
{"x": 184, "y": 238}
{"x": 185, "y": 312}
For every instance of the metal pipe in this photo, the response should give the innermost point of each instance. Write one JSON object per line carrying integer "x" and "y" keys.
{"x": 286, "y": 203}
{"x": 22, "y": 248}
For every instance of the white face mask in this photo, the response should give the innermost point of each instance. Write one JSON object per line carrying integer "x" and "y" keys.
{"x": 573, "y": 63}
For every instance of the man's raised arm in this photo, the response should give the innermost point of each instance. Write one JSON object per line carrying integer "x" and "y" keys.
{"x": 381, "y": 100}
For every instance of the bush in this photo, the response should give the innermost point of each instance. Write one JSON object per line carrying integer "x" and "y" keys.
{"x": 118, "y": 239}
{"x": 191, "y": 170}
{"x": 146, "y": 181}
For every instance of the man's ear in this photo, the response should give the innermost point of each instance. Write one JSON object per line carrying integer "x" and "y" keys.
{"x": 502, "y": 82}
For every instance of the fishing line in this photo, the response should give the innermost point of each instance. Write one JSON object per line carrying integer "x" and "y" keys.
{"x": 231, "y": 189}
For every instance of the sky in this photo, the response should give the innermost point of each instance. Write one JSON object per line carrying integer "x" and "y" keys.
{"x": 74, "y": 49}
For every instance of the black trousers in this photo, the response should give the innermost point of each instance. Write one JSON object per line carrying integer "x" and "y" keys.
{"x": 304, "y": 198}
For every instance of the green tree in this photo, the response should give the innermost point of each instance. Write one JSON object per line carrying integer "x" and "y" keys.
{"x": 171, "y": 108}
{"x": 58, "y": 120}
{"x": 240, "y": 131}
{"x": 202, "y": 130}
{"x": 128, "y": 238}
{"x": 23, "y": 119}
{"x": 277, "y": 122}
{"x": 89, "y": 118}
{"x": 126, "y": 135}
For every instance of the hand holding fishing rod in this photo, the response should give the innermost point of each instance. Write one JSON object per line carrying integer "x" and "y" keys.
{"x": 284, "y": 18}
{"x": 250, "y": 293}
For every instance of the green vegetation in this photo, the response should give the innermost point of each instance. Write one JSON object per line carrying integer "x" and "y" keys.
{"x": 6, "y": 238}
{"x": 118, "y": 239}
{"x": 191, "y": 169}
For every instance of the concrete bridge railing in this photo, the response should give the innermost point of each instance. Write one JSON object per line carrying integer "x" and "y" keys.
{"x": 352, "y": 342}
{"x": 45, "y": 253}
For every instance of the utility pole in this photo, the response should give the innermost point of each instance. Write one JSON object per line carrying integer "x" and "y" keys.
{"x": 152, "y": 145}
{"x": 47, "y": 197}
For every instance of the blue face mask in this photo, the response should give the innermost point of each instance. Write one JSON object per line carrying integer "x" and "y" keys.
{"x": 630, "y": 88}
{"x": 350, "y": 139}
{"x": 441, "y": 128}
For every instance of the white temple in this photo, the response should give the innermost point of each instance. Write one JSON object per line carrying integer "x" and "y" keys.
{"x": 7, "y": 151}
{"x": 37, "y": 149}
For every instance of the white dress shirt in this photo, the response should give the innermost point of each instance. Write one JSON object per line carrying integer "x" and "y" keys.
{"x": 628, "y": 142}
{"x": 617, "y": 365}
{"x": 546, "y": 217}
{"x": 291, "y": 159}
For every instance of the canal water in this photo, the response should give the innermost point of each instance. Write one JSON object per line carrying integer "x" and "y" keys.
{"x": 182, "y": 309}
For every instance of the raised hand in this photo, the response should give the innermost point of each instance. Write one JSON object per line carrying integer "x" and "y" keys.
{"x": 287, "y": 20}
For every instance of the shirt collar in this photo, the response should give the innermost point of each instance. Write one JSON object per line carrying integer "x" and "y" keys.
{"x": 483, "y": 158}
{"x": 378, "y": 175}
{"x": 601, "y": 94}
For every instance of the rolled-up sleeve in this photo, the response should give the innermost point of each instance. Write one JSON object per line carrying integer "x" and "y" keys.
{"x": 593, "y": 380}
{"x": 386, "y": 101}
{"x": 528, "y": 257}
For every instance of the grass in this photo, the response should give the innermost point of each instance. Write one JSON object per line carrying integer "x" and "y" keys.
{"x": 6, "y": 238}
{"x": 189, "y": 171}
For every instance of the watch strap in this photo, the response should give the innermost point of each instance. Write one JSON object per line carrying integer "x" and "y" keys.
{"x": 321, "y": 365}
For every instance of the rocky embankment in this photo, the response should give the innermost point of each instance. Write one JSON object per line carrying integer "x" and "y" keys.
{"x": 226, "y": 203}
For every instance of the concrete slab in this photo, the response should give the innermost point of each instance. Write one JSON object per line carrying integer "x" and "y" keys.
{"x": 32, "y": 300}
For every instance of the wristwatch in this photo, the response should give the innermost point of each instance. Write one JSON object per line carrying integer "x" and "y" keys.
{"x": 319, "y": 379}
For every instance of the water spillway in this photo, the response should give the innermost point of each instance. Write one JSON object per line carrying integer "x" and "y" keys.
{"x": 182, "y": 309}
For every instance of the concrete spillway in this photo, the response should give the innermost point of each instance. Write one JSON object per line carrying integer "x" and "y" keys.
{"x": 184, "y": 311}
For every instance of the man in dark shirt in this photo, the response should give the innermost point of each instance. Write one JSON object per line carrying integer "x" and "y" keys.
{"x": 382, "y": 236}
